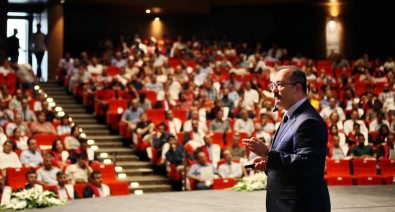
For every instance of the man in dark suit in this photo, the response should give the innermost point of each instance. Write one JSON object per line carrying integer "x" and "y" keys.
{"x": 295, "y": 164}
{"x": 13, "y": 47}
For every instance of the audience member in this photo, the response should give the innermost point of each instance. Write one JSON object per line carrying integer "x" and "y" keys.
{"x": 96, "y": 188}
{"x": 8, "y": 158}
{"x": 230, "y": 169}
{"x": 218, "y": 124}
{"x": 20, "y": 141}
{"x": 212, "y": 151}
{"x": 64, "y": 127}
{"x": 41, "y": 126}
{"x": 18, "y": 123}
{"x": 132, "y": 115}
{"x": 6, "y": 115}
{"x": 64, "y": 190}
{"x": 47, "y": 173}
{"x": 173, "y": 124}
{"x": 387, "y": 150}
{"x": 244, "y": 123}
{"x": 325, "y": 112}
{"x": 202, "y": 172}
{"x": 5, "y": 192}
{"x": 32, "y": 182}
{"x": 238, "y": 152}
{"x": 376, "y": 123}
{"x": 79, "y": 171}
{"x": 361, "y": 150}
{"x": 59, "y": 154}
{"x": 32, "y": 156}
{"x": 72, "y": 142}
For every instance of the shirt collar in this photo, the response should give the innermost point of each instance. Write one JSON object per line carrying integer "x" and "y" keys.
{"x": 293, "y": 108}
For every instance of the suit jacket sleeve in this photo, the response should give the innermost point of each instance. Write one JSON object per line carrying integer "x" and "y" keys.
{"x": 309, "y": 147}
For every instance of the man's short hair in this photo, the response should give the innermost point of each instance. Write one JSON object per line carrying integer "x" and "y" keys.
{"x": 358, "y": 135}
{"x": 297, "y": 76}
{"x": 30, "y": 139}
{"x": 82, "y": 156}
{"x": 94, "y": 172}
{"x": 60, "y": 173}
{"x": 29, "y": 172}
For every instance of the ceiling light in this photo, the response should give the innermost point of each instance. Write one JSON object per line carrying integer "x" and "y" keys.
{"x": 148, "y": 11}
{"x": 157, "y": 19}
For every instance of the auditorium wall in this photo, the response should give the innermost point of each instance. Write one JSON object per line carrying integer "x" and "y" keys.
{"x": 300, "y": 27}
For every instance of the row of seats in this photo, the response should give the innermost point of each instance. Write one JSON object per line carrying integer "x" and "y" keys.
{"x": 16, "y": 178}
{"x": 360, "y": 172}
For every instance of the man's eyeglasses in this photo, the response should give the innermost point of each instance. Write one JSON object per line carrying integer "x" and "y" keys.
{"x": 274, "y": 85}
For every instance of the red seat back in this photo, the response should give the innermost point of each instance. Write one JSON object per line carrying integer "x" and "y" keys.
{"x": 388, "y": 167}
{"x": 364, "y": 167}
{"x": 337, "y": 167}
{"x": 79, "y": 189}
{"x": 118, "y": 188}
{"x": 156, "y": 115}
{"x": 107, "y": 171}
{"x": 16, "y": 177}
{"x": 44, "y": 141}
{"x": 114, "y": 104}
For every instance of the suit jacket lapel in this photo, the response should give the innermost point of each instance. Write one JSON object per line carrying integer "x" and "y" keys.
{"x": 284, "y": 127}
{"x": 284, "y": 130}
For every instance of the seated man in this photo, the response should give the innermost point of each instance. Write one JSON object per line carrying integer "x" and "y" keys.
{"x": 335, "y": 151}
{"x": 236, "y": 150}
{"x": 5, "y": 192}
{"x": 175, "y": 154}
{"x": 42, "y": 126}
{"x": 387, "y": 150}
{"x": 32, "y": 156}
{"x": 173, "y": 124}
{"x": 244, "y": 123}
{"x": 145, "y": 128}
{"x": 202, "y": 172}
{"x": 230, "y": 169}
{"x": 8, "y": 158}
{"x": 85, "y": 149}
{"x": 132, "y": 115}
{"x": 218, "y": 124}
{"x": 79, "y": 171}
{"x": 32, "y": 182}
{"x": 27, "y": 114}
{"x": 47, "y": 173}
{"x": 194, "y": 137}
{"x": 96, "y": 188}
{"x": 212, "y": 151}
{"x": 361, "y": 150}
{"x": 18, "y": 123}
{"x": 64, "y": 191}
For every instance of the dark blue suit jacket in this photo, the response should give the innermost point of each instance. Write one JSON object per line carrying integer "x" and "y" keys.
{"x": 296, "y": 164}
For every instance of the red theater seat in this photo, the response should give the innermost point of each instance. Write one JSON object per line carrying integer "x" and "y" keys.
{"x": 107, "y": 171}
{"x": 365, "y": 172}
{"x": 44, "y": 141}
{"x": 16, "y": 177}
{"x": 118, "y": 188}
{"x": 223, "y": 183}
{"x": 79, "y": 189}
{"x": 341, "y": 181}
{"x": 388, "y": 170}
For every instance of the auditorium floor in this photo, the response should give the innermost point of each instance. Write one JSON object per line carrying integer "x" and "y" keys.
{"x": 350, "y": 199}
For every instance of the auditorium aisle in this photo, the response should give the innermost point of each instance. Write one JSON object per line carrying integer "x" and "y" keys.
{"x": 135, "y": 170}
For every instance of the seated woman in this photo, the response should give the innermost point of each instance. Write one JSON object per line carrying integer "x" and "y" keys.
{"x": 71, "y": 142}
{"x": 20, "y": 141}
{"x": 64, "y": 127}
{"x": 60, "y": 155}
